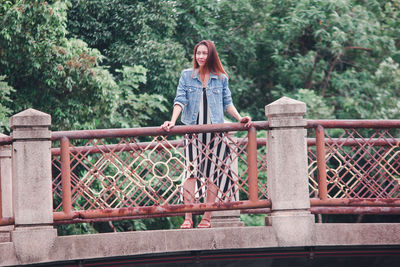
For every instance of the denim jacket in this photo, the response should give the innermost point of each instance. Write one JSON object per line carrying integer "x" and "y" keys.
{"x": 190, "y": 89}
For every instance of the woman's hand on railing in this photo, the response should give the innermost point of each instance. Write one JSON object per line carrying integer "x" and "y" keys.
{"x": 246, "y": 120}
{"x": 167, "y": 125}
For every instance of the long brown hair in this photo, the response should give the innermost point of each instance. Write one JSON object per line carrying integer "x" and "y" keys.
{"x": 212, "y": 64}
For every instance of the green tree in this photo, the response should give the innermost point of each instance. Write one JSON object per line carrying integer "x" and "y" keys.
{"x": 5, "y": 112}
{"x": 338, "y": 50}
{"x": 134, "y": 108}
{"x": 133, "y": 33}
{"x": 63, "y": 76}
{"x": 50, "y": 72}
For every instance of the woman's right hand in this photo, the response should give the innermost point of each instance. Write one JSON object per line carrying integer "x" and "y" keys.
{"x": 167, "y": 125}
{"x": 246, "y": 120}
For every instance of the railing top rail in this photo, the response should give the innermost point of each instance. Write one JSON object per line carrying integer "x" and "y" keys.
{"x": 354, "y": 123}
{"x": 5, "y": 140}
{"x": 154, "y": 131}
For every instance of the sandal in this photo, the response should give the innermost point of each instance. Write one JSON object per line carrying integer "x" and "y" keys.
{"x": 205, "y": 223}
{"x": 187, "y": 224}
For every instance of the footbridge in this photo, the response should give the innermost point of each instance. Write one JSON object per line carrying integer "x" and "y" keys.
{"x": 293, "y": 170}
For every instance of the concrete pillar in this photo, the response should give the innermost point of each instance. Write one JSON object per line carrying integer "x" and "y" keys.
{"x": 287, "y": 173}
{"x": 32, "y": 186}
{"x": 6, "y": 208}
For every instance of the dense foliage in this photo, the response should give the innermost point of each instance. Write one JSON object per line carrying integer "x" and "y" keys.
{"x": 133, "y": 33}
{"x": 60, "y": 75}
{"x": 340, "y": 57}
{"x": 117, "y": 62}
{"x": 5, "y": 91}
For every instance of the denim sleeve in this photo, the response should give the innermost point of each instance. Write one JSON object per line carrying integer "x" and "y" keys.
{"x": 181, "y": 93}
{"x": 226, "y": 93}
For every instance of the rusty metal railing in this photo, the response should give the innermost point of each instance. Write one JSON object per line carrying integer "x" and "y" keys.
{"x": 354, "y": 166}
{"x": 132, "y": 173}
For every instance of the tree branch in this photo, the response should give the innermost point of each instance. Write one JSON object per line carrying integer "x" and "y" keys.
{"x": 335, "y": 62}
{"x": 308, "y": 82}
{"x": 357, "y": 48}
{"x": 329, "y": 74}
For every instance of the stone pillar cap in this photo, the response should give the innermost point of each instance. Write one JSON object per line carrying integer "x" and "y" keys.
{"x": 285, "y": 106}
{"x": 30, "y": 117}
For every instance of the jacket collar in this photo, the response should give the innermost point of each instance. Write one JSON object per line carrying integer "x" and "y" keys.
{"x": 197, "y": 75}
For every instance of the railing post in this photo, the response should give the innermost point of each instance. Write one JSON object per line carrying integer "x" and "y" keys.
{"x": 287, "y": 180}
{"x": 34, "y": 235}
{"x": 6, "y": 208}
{"x": 66, "y": 177}
{"x": 252, "y": 164}
{"x": 321, "y": 163}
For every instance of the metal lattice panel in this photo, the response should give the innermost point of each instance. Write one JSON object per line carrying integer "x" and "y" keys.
{"x": 359, "y": 164}
{"x": 130, "y": 173}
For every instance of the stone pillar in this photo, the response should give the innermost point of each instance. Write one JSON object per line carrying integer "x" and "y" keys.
{"x": 32, "y": 186}
{"x": 6, "y": 190}
{"x": 287, "y": 173}
{"x": 228, "y": 218}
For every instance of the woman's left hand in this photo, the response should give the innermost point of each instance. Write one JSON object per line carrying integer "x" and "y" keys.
{"x": 246, "y": 120}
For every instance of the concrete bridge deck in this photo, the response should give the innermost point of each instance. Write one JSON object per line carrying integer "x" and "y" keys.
{"x": 111, "y": 245}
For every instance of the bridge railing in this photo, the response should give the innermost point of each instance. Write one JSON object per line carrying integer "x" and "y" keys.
{"x": 354, "y": 166}
{"x": 134, "y": 173}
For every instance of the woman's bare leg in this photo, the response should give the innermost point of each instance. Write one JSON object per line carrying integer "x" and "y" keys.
{"x": 188, "y": 195}
{"x": 212, "y": 191}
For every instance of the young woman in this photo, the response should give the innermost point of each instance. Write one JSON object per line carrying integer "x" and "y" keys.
{"x": 203, "y": 96}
